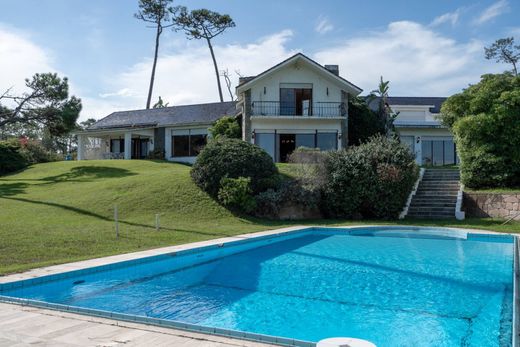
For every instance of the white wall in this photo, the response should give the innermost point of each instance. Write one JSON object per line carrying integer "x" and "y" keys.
{"x": 296, "y": 73}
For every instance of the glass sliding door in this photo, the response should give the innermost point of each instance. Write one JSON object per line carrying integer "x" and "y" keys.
{"x": 327, "y": 141}
{"x": 295, "y": 101}
{"x": 439, "y": 152}
{"x": 305, "y": 140}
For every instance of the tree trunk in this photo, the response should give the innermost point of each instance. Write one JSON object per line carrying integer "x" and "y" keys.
{"x": 216, "y": 70}
{"x": 152, "y": 78}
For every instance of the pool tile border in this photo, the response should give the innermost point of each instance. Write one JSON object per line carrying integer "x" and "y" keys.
{"x": 47, "y": 274}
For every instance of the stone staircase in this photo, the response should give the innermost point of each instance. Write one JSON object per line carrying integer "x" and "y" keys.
{"x": 436, "y": 196}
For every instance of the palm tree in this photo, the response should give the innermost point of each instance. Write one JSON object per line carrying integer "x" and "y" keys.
{"x": 385, "y": 112}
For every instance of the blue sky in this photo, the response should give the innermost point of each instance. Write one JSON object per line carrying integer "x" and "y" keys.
{"x": 431, "y": 48}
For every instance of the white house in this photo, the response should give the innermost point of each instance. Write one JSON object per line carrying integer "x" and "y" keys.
{"x": 297, "y": 102}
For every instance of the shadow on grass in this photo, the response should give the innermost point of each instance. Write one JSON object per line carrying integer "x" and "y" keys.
{"x": 106, "y": 219}
{"x": 81, "y": 174}
{"x": 9, "y": 189}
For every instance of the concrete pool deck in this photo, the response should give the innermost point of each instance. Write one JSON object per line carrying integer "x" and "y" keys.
{"x": 22, "y": 325}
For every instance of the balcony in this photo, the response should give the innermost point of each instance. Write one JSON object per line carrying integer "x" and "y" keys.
{"x": 306, "y": 109}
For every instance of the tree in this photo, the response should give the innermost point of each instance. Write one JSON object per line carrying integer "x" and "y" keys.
{"x": 227, "y": 127}
{"x": 485, "y": 121}
{"x": 45, "y": 105}
{"x": 160, "y": 103}
{"x": 385, "y": 112}
{"x": 477, "y": 98}
{"x": 205, "y": 24}
{"x": 363, "y": 123}
{"x": 161, "y": 15}
{"x": 504, "y": 51}
{"x": 227, "y": 79}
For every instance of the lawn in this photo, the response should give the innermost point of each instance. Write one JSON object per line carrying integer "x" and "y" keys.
{"x": 61, "y": 212}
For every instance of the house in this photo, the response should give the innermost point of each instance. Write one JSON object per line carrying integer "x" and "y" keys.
{"x": 297, "y": 102}
{"x": 419, "y": 128}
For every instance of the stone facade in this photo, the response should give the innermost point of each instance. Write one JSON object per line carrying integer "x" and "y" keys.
{"x": 497, "y": 205}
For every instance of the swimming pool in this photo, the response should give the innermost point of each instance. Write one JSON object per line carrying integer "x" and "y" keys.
{"x": 394, "y": 286}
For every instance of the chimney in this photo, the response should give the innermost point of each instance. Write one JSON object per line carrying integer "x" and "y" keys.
{"x": 333, "y": 68}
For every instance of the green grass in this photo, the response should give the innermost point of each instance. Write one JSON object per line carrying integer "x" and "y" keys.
{"x": 61, "y": 212}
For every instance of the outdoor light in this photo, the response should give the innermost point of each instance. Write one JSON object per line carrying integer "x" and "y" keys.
{"x": 418, "y": 139}
{"x": 327, "y": 91}
{"x": 253, "y": 135}
{"x": 339, "y": 136}
{"x": 265, "y": 90}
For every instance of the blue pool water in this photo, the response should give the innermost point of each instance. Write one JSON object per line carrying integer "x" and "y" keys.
{"x": 394, "y": 289}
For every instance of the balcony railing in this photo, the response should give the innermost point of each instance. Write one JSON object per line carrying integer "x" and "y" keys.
{"x": 306, "y": 109}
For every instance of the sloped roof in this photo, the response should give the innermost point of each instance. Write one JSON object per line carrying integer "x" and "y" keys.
{"x": 175, "y": 115}
{"x": 274, "y": 68}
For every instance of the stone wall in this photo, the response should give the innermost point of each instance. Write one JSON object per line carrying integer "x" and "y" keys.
{"x": 497, "y": 205}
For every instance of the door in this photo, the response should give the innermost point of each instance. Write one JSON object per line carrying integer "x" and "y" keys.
{"x": 287, "y": 146}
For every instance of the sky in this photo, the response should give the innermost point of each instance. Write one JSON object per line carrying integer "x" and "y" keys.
{"x": 424, "y": 48}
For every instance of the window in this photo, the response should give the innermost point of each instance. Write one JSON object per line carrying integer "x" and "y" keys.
{"x": 327, "y": 141}
{"x": 266, "y": 142}
{"x": 117, "y": 146}
{"x": 295, "y": 101}
{"x": 439, "y": 152}
{"x": 188, "y": 145}
{"x": 305, "y": 140}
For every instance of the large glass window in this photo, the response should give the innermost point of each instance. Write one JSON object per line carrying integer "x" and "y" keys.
{"x": 327, "y": 141}
{"x": 305, "y": 140}
{"x": 181, "y": 145}
{"x": 295, "y": 101}
{"x": 439, "y": 152}
{"x": 266, "y": 142}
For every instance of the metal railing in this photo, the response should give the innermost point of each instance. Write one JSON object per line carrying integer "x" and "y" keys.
{"x": 306, "y": 109}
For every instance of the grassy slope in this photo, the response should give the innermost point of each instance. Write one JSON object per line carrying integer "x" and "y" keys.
{"x": 61, "y": 212}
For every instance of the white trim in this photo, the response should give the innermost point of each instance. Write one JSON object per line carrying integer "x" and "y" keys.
{"x": 459, "y": 214}
{"x": 404, "y": 212}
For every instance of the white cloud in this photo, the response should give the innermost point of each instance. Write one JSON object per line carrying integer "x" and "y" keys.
{"x": 414, "y": 58}
{"x": 20, "y": 58}
{"x": 188, "y": 76}
{"x": 491, "y": 12}
{"x": 323, "y": 25}
{"x": 450, "y": 17}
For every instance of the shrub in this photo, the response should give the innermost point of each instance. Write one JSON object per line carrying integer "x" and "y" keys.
{"x": 157, "y": 153}
{"x": 363, "y": 123}
{"x": 226, "y": 126}
{"x": 372, "y": 180}
{"x": 308, "y": 165}
{"x": 235, "y": 193}
{"x": 233, "y": 158}
{"x": 271, "y": 201}
{"x": 35, "y": 152}
{"x": 10, "y": 158}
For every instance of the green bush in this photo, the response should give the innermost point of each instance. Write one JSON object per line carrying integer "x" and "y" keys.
{"x": 235, "y": 193}
{"x": 35, "y": 152}
{"x": 372, "y": 180}
{"x": 11, "y": 159}
{"x": 485, "y": 119}
{"x": 363, "y": 123}
{"x": 271, "y": 201}
{"x": 226, "y": 126}
{"x": 233, "y": 158}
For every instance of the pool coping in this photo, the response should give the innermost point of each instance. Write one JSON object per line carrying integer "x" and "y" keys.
{"x": 38, "y": 275}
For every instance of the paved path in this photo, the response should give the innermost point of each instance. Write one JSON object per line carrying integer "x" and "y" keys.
{"x": 28, "y": 326}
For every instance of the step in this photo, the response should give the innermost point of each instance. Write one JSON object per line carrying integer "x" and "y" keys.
{"x": 433, "y": 204}
{"x": 448, "y": 189}
{"x": 436, "y": 193}
{"x": 440, "y": 216}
